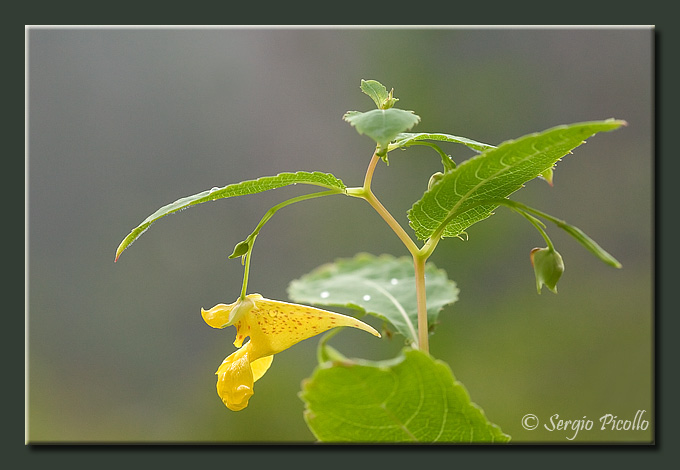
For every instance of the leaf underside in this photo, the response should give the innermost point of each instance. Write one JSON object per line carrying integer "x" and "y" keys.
{"x": 456, "y": 201}
{"x": 408, "y": 138}
{"x": 376, "y": 91}
{"x": 243, "y": 188}
{"x": 382, "y": 286}
{"x": 382, "y": 125}
{"x": 412, "y": 398}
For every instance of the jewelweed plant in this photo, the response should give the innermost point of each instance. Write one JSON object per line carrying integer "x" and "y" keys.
{"x": 412, "y": 397}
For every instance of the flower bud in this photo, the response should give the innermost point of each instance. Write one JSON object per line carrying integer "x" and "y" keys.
{"x": 434, "y": 178}
{"x": 548, "y": 268}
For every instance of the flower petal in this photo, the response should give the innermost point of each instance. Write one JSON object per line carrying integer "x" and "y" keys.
{"x": 223, "y": 315}
{"x": 274, "y": 326}
{"x": 260, "y": 366}
{"x": 235, "y": 380}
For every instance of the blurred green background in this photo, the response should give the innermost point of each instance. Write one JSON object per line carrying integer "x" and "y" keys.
{"x": 123, "y": 121}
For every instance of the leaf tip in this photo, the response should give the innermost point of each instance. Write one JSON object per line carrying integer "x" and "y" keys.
{"x": 620, "y": 122}
{"x": 119, "y": 251}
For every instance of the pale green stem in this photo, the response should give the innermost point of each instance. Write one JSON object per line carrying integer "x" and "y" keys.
{"x": 246, "y": 269}
{"x": 538, "y": 225}
{"x": 270, "y": 213}
{"x": 421, "y": 298}
{"x": 366, "y": 193}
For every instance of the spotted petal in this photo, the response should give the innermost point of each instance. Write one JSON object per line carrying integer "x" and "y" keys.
{"x": 274, "y": 325}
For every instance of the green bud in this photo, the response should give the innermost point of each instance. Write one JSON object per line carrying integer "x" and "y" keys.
{"x": 434, "y": 178}
{"x": 389, "y": 101}
{"x": 548, "y": 268}
{"x": 240, "y": 249}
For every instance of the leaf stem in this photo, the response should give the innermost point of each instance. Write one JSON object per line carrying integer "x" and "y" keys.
{"x": 538, "y": 225}
{"x": 590, "y": 244}
{"x": 448, "y": 163}
{"x": 246, "y": 269}
{"x": 268, "y": 215}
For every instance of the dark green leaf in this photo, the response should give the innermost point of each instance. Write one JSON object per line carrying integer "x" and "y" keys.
{"x": 456, "y": 201}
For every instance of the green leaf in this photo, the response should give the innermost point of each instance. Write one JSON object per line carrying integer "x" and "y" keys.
{"x": 376, "y": 91}
{"x": 243, "y": 188}
{"x": 412, "y": 398}
{"x": 383, "y": 286}
{"x": 382, "y": 125}
{"x": 456, "y": 201}
{"x": 406, "y": 138}
{"x": 590, "y": 244}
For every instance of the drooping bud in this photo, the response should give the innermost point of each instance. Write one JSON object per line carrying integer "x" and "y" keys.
{"x": 548, "y": 268}
{"x": 434, "y": 178}
{"x": 240, "y": 249}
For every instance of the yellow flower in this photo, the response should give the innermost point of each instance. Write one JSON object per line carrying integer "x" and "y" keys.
{"x": 272, "y": 327}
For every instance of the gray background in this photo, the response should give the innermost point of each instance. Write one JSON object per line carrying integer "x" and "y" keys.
{"x": 123, "y": 121}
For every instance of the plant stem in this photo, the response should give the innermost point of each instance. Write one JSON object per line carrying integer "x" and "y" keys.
{"x": 370, "y": 170}
{"x": 419, "y": 259}
{"x": 421, "y": 299}
{"x": 366, "y": 193}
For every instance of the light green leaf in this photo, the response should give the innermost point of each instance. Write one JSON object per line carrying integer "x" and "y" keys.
{"x": 382, "y": 125}
{"x": 407, "y": 138}
{"x": 590, "y": 244}
{"x": 453, "y": 204}
{"x": 412, "y": 398}
{"x": 383, "y": 286}
{"x": 376, "y": 91}
{"x": 243, "y": 188}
